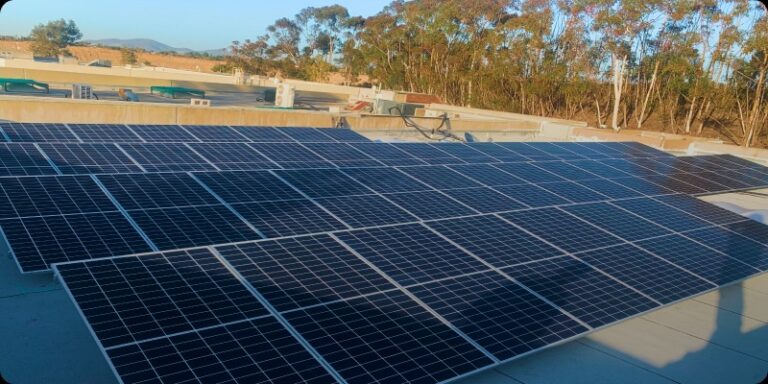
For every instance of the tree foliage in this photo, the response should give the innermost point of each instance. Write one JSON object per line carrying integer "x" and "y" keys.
{"x": 53, "y": 38}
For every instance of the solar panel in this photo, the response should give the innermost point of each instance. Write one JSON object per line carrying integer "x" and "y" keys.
{"x": 746, "y": 179}
{"x": 250, "y": 186}
{"x": 573, "y": 192}
{"x": 303, "y": 271}
{"x": 166, "y": 157}
{"x": 185, "y": 227}
{"x": 700, "y": 182}
{"x": 698, "y": 259}
{"x": 494, "y": 240}
{"x": 287, "y": 218}
{"x": 754, "y": 174}
{"x": 750, "y": 229}
{"x": 440, "y": 177}
{"x": 487, "y": 174}
{"x": 591, "y": 296}
{"x": 583, "y": 150}
{"x": 386, "y": 337}
{"x": 342, "y": 155}
{"x": 532, "y": 195}
{"x": 639, "y": 150}
{"x": 38, "y": 133}
{"x": 556, "y": 150}
{"x": 597, "y": 168}
{"x": 631, "y": 167}
{"x": 158, "y": 190}
{"x": 305, "y": 134}
{"x": 387, "y": 154}
{"x": 365, "y": 211}
{"x": 701, "y": 209}
{"x": 643, "y": 186}
{"x": 38, "y": 242}
{"x": 73, "y": 159}
{"x": 609, "y": 188}
{"x": 344, "y": 135}
{"x": 23, "y": 160}
{"x": 411, "y": 253}
{"x": 566, "y": 171}
{"x": 386, "y": 180}
{"x": 522, "y": 149}
{"x": 504, "y": 318}
{"x": 740, "y": 248}
{"x": 662, "y": 281}
{"x": 163, "y": 133}
{"x": 427, "y": 153}
{"x": 323, "y": 182}
{"x": 652, "y": 165}
{"x": 233, "y": 156}
{"x": 717, "y": 177}
{"x": 130, "y": 299}
{"x": 680, "y": 165}
{"x": 464, "y": 152}
{"x": 104, "y": 133}
{"x": 498, "y": 152}
{"x": 262, "y": 134}
{"x": 617, "y": 221}
{"x": 430, "y": 205}
{"x": 528, "y": 172}
{"x": 661, "y": 214}
{"x": 51, "y": 195}
{"x": 291, "y": 155}
{"x": 215, "y": 133}
{"x": 484, "y": 200}
{"x": 675, "y": 185}
{"x": 561, "y": 229}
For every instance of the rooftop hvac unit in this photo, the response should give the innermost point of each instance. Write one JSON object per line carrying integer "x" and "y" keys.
{"x": 82, "y": 91}
{"x": 285, "y": 96}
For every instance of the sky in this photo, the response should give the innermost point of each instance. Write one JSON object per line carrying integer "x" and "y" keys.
{"x": 194, "y": 24}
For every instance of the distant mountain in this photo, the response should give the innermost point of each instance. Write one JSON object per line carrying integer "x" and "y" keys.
{"x": 152, "y": 46}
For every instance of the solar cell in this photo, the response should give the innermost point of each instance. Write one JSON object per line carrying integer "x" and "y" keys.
{"x": 532, "y": 195}
{"x": 130, "y": 299}
{"x": 653, "y": 165}
{"x": 233, "y": 156}
{"x": 430, "y": 205}
{"x": 51, "y": 195}
{"x": 464, "y": 152}
{"x": 680, "y": 165}
{"x": 755, "y": 182}
{"x": 750, "y": 229}
{"x": 498, "y": 152}
{"x": 71, "y": 158}
{"x": 38, "y": 133}
{"x": 342, "y": 155}
{"x": 662, "y": 214}
{"x": 598, "y": 168}
{"x": 522, "y": 149}
{"x": 305, "y": 134}
{"x": 23, "y": 160}
{"x": 365, "y": 211}
{"x": 487, "y": 174}
{"x": 386, "y": 180}
{"x": 583, "y": 151}
{"x": 630, "y": 167}
{"x": 753, "y": 173}
{"x": 323, "y": 182}
{"x": 166, "y": 157}
{"x": 561, "y": 229}
{"x": 262, "y": 134}
{"x": 250, "y": 186}
{"x": 411, "y": 253}
{"x": 156, "y": 190}
{"x": 721, "y": 179}
{"x": 566, "y": 171}
{"x": 163, "y": 133}
{"x": 494, "y": 240}
{"x": 555, "y": 150}
{"x": 440, "y": 177}
{"x": 104, "y": 133}
{"x": 740, "y": 248}
{"x": 387, "y": 154}
{"x": 698, "y": 259}
{"x": 661, "y": 280}
{"x": 700, "y": 182}
{"x": 674, "y": 184}
{"x": 386, "y": 338}
{"x": 344, "y": 135}
{"x": 609, "y": 188}
{"x": 484, "y": 200}
{"x": 215, "y": 133}
{"x": 529, "y": 172}
{"x": 174, "y": 228}
{"x": 38, "y": 242}
{"x": 581, "y": 290}
{"x": 573, "y": 192}
{"x": 617, "y": 221}
{"x": 303, "y": 271}
{"x": 701, "y": 209}
{"x": 427, "y": 153}
{"x": 498, "y": 314}
{"x": 291, "y": 155}
{"x": 287, "y": 218}
{"x": 643, "y": 186}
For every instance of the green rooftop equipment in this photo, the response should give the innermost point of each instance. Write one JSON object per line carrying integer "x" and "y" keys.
{"x": 172, "y": 92}
{"x": 23, "y": 85}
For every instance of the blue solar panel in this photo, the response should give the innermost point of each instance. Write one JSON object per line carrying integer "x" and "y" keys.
{"x": 158, "y": 190}
{"x": 342, "y": 155}
{"x": 262, "y": 134}
{"x": 566, "y": 171}
{"x": 498, "y": 152}
{"x": 387, "y": 154}
{"x": 701, "y": 209}
{"x": 630, "y": 167}
{"x": 679, "y": 165}
{"x": 643, "y": 186}
{"x": 532, "y": 195}
{"x": 609, "y": 188}
{"x": 38, "y": 242}
{"x": 411, "y": 253}
{"x": 660, "y": 280}
{"x": 23, "y": 160}
{"x": 303, "y": 271}
{"x": 38, "y": 133}
{"x": 323, "y": 182}
{"x": 557, "y": 150}
{"x": 291, "y": 155}
{"x": 344, "y": 135}
{"x": 166, "y": 157}
{"x": 700, "y": 182}
{"x": 130, "y": 299}
{"x": 662, "y": 214}
{"x": 674, "y": 184}
{"x": 305, "y": 134}
{"x": 215, "y": 133}
{"x": 598, "y": 168}
{"x": 487, "y": 174}
{"x": 365, "y": 211}
{"x": 51, "y": 195}
{"x": 591, "y": 296}
{"x": 427, "y": 153}
{"x": 698, "y": 259}
{"x": 464, "y": 152}
{"x": 617, "y": 221}
{"x": 738, "y": 247}
{"x": 498, "y": 314}
{"x": 386, "y": 180}
{"x": 440, "y": 177}
{"x": 104, "y": 133}
{"x": 287, "y": 218}
{"x": 523, "y": 149}
{"x": 484, "y": 200}
{"x": 252, "y": 186}
{"x": 573, "y": 192}
{"x": 430, "y": 205}
{"x": 89, "y": 158}
{"x": 754, "y": 174}
{"x": 584, "y": 151}
{"x": 233, "y": 156}
{"x": 163, "y": 133}
{"x": 529, "y": 172}
{"x": 386, "y": 338}
{"x": 562, "y": 229}
{"x": 494, "y": 240}
{"x": 174, "y": 228}
{"x": 750, "y": 229}
{"x": 643, "y": 163}
{"x": 717, "y": 177}
{"x": 749, "y": 180}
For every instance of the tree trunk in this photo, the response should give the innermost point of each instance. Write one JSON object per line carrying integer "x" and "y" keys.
{"x": 644, "y": 107}
{"x": 618, "y": 80}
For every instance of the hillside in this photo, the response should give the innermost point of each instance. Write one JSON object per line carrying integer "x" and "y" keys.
{"x": 151, "y": 46}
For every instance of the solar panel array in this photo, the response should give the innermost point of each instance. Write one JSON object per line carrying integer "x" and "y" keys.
{"x": 311, "y": 255}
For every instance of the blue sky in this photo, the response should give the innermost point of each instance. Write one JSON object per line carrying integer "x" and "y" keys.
{"x": 194, "y": 24}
